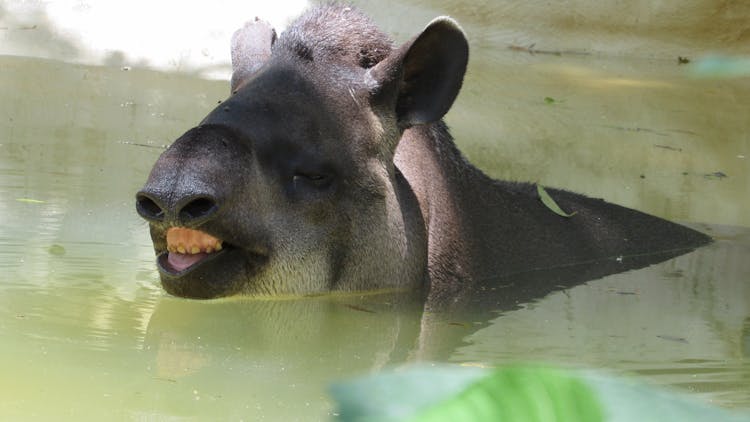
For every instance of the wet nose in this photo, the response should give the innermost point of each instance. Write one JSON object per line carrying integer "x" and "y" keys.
{"x": 188, "y": 210}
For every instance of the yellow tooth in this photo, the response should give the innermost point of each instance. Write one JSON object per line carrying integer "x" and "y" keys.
{"x": 184, "y": 240}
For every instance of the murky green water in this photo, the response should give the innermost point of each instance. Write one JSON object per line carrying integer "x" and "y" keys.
{"x": 87, "y": 334}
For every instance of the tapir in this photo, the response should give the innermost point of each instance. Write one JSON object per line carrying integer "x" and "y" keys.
{"x": 329, "y": 169}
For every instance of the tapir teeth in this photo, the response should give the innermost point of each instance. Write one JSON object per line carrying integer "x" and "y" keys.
{"x": 188, "y": 241}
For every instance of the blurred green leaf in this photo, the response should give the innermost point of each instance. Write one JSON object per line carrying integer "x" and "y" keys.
{"x": 514, "y": 393}
{"x": 720, "y": 67}
{"x": 550, "y": 203}
{"x": 399, "y": 395}
{"x": 520, "y": 394}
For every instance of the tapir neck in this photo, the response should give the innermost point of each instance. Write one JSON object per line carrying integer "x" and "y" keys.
{"x": 460, "y": 205}
{"x": 436, "y": 172}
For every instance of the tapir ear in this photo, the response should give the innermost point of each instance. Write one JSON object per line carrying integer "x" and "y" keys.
{"x": 251, "y": 48}
{"x": 424, "y": 76}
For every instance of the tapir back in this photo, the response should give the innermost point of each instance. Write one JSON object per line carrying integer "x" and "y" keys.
{"x": 485, "y": 232}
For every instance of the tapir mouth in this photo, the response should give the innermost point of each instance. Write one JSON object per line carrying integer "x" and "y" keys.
{"x": 187, "y": 248}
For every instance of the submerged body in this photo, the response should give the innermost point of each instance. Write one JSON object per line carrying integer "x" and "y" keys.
{"x": 329, "y": 169}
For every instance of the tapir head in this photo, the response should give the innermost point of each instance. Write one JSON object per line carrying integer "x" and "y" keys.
{"x": 289, "y": 186}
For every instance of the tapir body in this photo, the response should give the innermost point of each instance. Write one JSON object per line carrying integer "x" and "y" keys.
{"x": 329, "y": 169}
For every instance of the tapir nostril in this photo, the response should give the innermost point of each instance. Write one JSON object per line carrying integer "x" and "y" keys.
{"x": 198, "y": 208}
{"x": 148, "y": 208}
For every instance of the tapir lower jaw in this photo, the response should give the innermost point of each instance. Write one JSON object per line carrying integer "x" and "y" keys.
{"x": 177, "y": 265}
{"x": 217, "y": 275}
{"x": 194, "y": 264}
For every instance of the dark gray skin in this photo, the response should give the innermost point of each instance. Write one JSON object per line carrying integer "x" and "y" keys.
{"x": 329, "y": 169}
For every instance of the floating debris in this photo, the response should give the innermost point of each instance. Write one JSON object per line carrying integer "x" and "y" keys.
{"x": 667, "y": 147}
{"x": 359, "y": 308}
{"x": 673, "y": 338}
{"x": 550, "y": 100}
{"x": 20, "y": 28}
{"x": 57, "y": 250}
{"x": 717, "y": 175}
{"x": 682, "y": 60}
{"x": 637, "y": 129}
{"x": 532, "y": 50}
{"x": 686, "y": 132}
{"x": 624, "y": 292}
{"x": 146, "y": 145}
{"x": 30, "y": 201}
{"x": 674, "y": 274}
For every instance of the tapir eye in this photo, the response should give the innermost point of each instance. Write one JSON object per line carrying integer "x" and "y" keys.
{"x": 318, "y": 180}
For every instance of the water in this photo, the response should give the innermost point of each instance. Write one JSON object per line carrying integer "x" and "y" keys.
{"x": 88, "y": 334}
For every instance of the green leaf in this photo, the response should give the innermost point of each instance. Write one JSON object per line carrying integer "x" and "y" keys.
{"x": 398, "y": 395}
{"x": 550, "y": 203}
